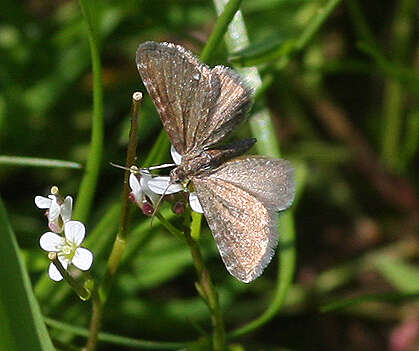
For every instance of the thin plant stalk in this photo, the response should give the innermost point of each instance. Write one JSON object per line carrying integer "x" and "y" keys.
{"x": 205, "y": 286}
{"x": 310, "y": 31}
{"x": 95, "y": 322}
{"x": 79, "y": 289}
{"x": 394, "y": 94}
{"x": 118, "y": 249}
{"x": 206, "y": 289}
{"x": 89, "y": 181}
{"x": 262, "y": 128}
{"x": 117, "y": 339}
{"x": 220, "y": 29}
{"x": 119, "y": 245}
{"x": 360, "y": 24}
{"x": 37, "y": 162}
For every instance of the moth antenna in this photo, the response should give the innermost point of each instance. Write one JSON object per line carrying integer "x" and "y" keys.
{"x": 119, "y": 166}
{"x": 133, "y": 169}
{"x": 164, "y": 165}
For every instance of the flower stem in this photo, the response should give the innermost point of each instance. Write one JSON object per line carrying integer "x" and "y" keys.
{"x": 120, "y": 240}
{"x": 95, "y": 322}
{"x": 170, "y": 227}
{"x": 262, "y": 128}
{"x": 207, "y": 291}
{"x": 91, "y": 174}
{"x": 80, "y": 290}
{"x": 118, "y": 249}
{"x": 131, "y": 155}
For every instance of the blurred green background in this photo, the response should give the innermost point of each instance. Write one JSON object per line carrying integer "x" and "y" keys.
{"x": 344, "y": 106}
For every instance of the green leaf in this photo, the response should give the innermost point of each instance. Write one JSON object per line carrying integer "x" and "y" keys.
{"x": 37, "y": 162}
{"x": 261, "y": 52}
{"x": 403, "y": 276}
{"x": 385, "y": 297}
{"x": 22, "y": 326}
{"x": 116, "y": 339}
{"x": 262, "y": 127}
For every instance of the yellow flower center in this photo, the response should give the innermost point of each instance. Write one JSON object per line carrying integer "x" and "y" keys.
{"x": 68, "y": 250}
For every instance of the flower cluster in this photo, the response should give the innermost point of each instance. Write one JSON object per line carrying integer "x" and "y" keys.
{"x": 145, "y": 188}
{"x": 67, "y": 247}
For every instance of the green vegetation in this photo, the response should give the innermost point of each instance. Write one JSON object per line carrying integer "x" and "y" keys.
{"x": 336, "y": 92}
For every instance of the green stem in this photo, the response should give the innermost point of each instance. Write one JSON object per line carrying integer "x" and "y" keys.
{"x": 263, "y": 129}
{"x": 119, "y": 245}
{"x": 207, "y": 291}
{"x": 91, "y": 175}
{"x": 285, "y": 274}
{"x": 206, "y": 287}
{"x": 116, "y": 339}
{"x": 220, "y": 28}
{"x": 37, "y": 162}
{"x": 361, "y": 26}
{"x": 95, "y": 322}
{"x": 310, "y": 31}
{"x": 196, "y": 225}
{"x": 394, "y": 95}
{"x": 80, "y": 290}
{"x": 118, "y": 249}
{"x": 411, "y": 143}
{"x": 170, "y": 227}
{"x": 316, "y": 23}
{"x": 131, "y": 155}
{"x": 88, "y": 184}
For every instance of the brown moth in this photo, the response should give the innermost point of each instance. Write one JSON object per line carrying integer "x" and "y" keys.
{"x": 240, "y": 196}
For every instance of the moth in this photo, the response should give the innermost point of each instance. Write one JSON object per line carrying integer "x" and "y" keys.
{"x": 200, "y": 106}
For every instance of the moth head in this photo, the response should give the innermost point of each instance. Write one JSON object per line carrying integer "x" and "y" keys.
{"x": 177, "y": 175}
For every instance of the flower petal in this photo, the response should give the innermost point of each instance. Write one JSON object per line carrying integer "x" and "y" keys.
{"x": 54, "y": 273}
{"x": 176, "y": 156}
{"x": 152, "y": 196}
{"x": 67, "y": 209}
{"x": 74, "y": 232}
{"x": 160, "y": 185}
{"x": 145, "y": 178}
{"x": 83, "y": 259}
{"x": 42, "y": 202}
{"x": 55, "y": 225}
{"x": 51, "y": 242}
{"x": 64, "y": 261}
{"x": 145, "y": 173}
{"x": 134, "y": 183}
{"x": 135, "y": 186}
{"x": 54, "y": 209}
{"x": 194, "y": 202}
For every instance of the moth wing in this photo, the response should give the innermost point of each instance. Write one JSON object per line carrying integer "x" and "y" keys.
{"x": 198, "y": 106}
{"x": 183, "y": 89}
{"x": 240, "y": 200}
{"x": 230, "y": 109}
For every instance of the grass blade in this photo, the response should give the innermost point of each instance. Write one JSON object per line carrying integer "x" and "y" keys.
{"x": 22, "y": 326}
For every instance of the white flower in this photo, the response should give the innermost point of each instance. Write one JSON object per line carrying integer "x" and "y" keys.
{"x": 161, "y": 185}
{"x": 67, "y": 248}
{"x": 194, "y": 202}
{"x": 138, "y": 181}
{"x": 176, "y": 156}
{"x": 59, "y": 212}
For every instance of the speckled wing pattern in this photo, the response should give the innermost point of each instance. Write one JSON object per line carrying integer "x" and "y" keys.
{"x": 198, "y": 105}
{"x": 240, "y": 200}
